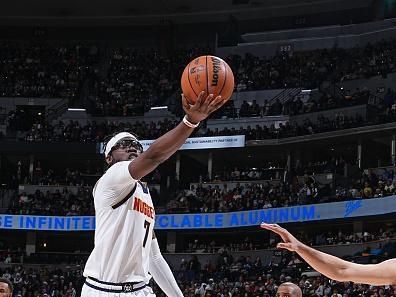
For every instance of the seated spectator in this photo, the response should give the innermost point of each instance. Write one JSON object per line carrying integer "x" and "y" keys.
{"x": 244, "y": 109}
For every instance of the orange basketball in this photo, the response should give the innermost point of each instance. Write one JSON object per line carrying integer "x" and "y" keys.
{"x": 210, "y": 74}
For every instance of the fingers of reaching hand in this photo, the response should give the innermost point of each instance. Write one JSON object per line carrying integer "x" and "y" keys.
{"x": 272, "y": 227}
{"x": 216, "y": 103}
{"x": 283, "y": 245}
{"x": 185, "y": 103}
{"x": 263, "y": 225}
{"x": 281, "y": 232}
{"x": 277, "y": 229}
{"x": 200, "y": 99}
{"x": 207, "y": 101}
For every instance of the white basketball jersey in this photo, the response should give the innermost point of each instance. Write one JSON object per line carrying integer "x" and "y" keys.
{"x": 124, "y": 228}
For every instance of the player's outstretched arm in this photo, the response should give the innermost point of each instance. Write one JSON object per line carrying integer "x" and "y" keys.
{"x": 170, "y": 142}
{"x": 161, "y": 272}
{"x": 335, "y": 268}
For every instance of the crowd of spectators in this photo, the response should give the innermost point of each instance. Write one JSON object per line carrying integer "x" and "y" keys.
{"x": 15, "y": 254}
{"x": 69, "y": 177}
{"x": 251, "y": 277}
{"x": 267, "y": 286}
{"x": 295, "y": 105}
{"x": 230, "y": 190}
{"x": 57, "y": 203}
{"x": 62, "y": 200}
{"x": 276, "y": 171}
{"x": 250, "y": 243}
{"x": 45, "y": 70}
{"x": 241, "y": 197}
{"x": 309, "y": 68}
{"x": 11, "y": 254}
{"x": 137, "y": 80}
{"x": 46, "y": 176}
{"x": 18, "y": 256}
{"x": 279, "y": 193}
{"x": 293, "y": 129}
{"x": 73, "y": 131}
{"x": 131, "y": 80}
{"x": 44, "y": 281}
{"x": 247, "y": 276}
{"x": 224, "y": 275}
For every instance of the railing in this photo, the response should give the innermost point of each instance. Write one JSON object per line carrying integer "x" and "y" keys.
{"x": 57, "y": 110}
{"x": 285, "y": 95}
{"x": 374, "y": 100}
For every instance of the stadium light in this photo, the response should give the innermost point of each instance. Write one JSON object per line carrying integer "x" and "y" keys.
{"x": 158, "y": 107}
{"x": 76, "y": 109}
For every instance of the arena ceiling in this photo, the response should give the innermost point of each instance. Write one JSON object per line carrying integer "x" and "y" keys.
{"x": 153, "y": 10}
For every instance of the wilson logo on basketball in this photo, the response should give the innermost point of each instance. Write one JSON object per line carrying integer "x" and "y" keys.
{"x": 216, "y": 69}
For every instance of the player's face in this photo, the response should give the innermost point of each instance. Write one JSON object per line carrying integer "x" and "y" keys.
{"x": 4, "y": 290}
{"x": 285, "y": 291}
{"x": 126, "y": 149}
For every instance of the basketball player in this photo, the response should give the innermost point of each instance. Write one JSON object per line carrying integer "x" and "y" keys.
{"x": 288, "y": 290}
{"x": 126, "y": 253}
{"x": 6, "y": 287}
{"x": 335, "y": 268}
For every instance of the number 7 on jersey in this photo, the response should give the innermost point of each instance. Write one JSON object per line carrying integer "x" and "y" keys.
{"x": 147, "y": 227}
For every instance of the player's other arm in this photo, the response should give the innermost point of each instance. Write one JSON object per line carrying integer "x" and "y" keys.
{"x": 170, "y": 142}
{"x": 161, "y": 272}
{"x": 335, "y": 268}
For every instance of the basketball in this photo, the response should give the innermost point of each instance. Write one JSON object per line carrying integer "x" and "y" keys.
{"x": 207, "y": 73}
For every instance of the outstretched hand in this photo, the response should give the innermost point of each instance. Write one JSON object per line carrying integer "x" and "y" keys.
{"x": 289, "y": 241}
{"x": 203, "y": 107}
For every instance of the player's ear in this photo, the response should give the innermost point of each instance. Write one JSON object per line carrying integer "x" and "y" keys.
{"x": 109, "y": 159}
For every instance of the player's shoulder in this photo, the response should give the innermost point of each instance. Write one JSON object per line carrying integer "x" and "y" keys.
{"x": 117, "y": 166}
{"x": 115, "y": 169}
{"x": 117, "y": 174}
{"x": 114, "y": 177}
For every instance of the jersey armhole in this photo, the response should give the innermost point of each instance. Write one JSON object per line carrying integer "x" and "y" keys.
{"x": 125, "y": 199}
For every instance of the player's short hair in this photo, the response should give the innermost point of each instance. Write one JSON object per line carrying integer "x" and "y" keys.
{"x": 8, "y": 282}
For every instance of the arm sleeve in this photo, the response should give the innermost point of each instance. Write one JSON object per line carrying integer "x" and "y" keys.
{"x": 161, "y": 272}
